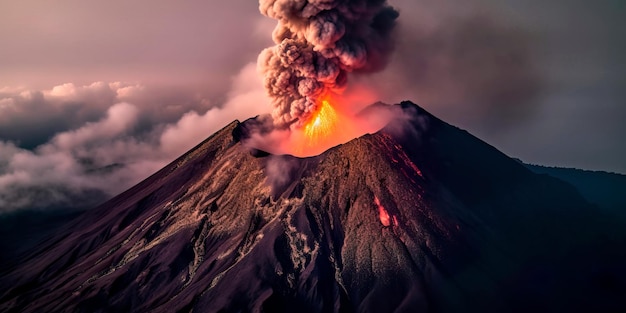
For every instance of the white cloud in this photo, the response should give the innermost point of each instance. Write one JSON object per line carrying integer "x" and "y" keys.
{"x": 120, "y": 117}
{"x": 114, "y": 151}
{"x": 246, "y": 99}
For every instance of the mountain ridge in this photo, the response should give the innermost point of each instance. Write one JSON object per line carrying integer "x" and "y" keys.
{"x": 598, "y": 187}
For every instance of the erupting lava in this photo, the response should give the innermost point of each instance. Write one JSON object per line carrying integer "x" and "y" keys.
{"x": 335, "y": 120}
{"x": 321, "y": 125}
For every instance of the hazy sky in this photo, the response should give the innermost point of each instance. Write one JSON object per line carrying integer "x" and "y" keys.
{"x": 87, "y": 84}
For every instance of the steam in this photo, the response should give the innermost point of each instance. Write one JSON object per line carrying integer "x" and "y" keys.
{"x": 318, "y": 42}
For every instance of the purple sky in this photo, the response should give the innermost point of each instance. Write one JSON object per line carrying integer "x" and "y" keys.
{"x": 85, "y": 85}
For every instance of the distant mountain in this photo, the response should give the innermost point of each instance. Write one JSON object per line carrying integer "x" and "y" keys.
{"x": 607, "y": 190}
{"x": 418, "y": 217}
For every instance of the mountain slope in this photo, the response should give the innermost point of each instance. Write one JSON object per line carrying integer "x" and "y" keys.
{"x": 420, "y": 216}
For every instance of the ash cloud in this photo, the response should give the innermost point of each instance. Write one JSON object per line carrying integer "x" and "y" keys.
{"x": 317, "y": 44}
{"x": 114, "y": 138}
{"x": 479, "y": 62}
{"x": 468, "y": 68}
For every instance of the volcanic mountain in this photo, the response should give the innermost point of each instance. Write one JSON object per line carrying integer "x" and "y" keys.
{"x": 418, "y": 217}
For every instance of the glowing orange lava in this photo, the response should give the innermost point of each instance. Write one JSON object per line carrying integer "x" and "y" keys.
{"x": 322, "y": 125}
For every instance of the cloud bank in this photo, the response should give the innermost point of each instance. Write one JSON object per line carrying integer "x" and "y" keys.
{"x": 71, "y": 146}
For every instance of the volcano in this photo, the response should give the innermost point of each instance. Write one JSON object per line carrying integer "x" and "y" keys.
{"x": 418, "y": 217}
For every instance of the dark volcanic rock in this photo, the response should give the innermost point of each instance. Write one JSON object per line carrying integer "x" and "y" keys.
{"x": 419, "y": 217}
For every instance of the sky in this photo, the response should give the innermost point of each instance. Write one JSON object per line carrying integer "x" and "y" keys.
{"x": 97, "y": 95}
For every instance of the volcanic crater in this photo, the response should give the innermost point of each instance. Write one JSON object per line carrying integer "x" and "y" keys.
{"x": 419, "y": 216}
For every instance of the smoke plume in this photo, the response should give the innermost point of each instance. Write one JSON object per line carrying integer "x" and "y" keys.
{"x": 318, "y": 42}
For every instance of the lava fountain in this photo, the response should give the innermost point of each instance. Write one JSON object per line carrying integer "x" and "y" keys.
{"x": 321, "y": 125}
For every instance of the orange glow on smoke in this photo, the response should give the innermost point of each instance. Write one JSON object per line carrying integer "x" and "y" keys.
{"x": 321, "y": 125}
{"x": 337, "y": 119}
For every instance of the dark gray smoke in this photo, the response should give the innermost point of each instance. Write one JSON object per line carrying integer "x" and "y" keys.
{"x": 318, "y": 42}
